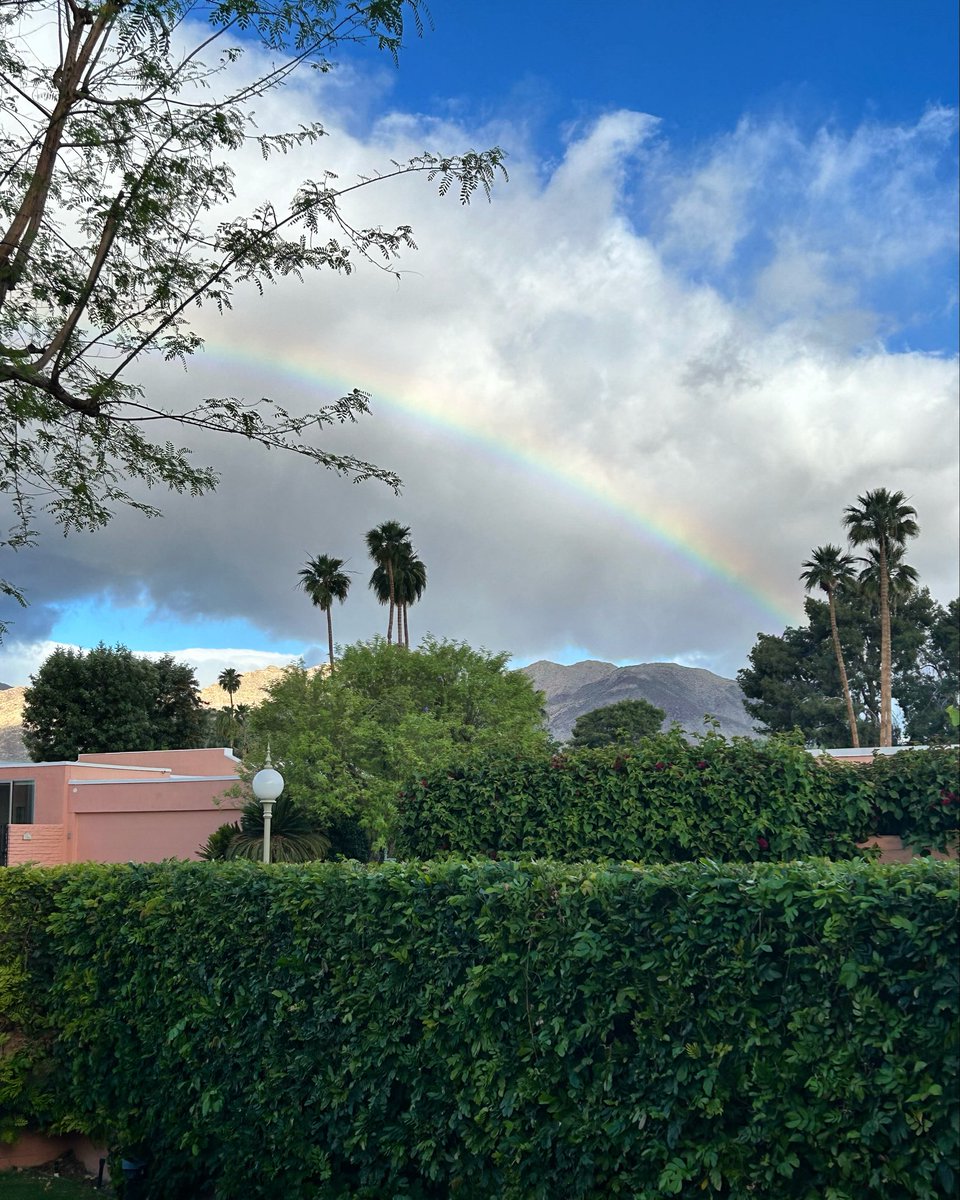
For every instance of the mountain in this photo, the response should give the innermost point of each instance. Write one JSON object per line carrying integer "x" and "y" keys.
{"x": 686, "y": 694}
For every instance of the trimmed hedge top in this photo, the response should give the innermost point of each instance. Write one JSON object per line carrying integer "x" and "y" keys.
{"x": 671, "y": 800}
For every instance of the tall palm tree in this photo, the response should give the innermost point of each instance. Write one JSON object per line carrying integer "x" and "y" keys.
{"x": 883, "y": 522}
{"x": 229, "y": 680}
{"x": 410, "y": 583}
{"x": 827, "y": 569}
{"x": 324, "y": 581}
{"x": 902, "y": 577}
{"x": 385, "y": 545}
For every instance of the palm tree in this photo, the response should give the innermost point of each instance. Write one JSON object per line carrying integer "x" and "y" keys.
{"x": 294, "y": 837}
{"x": 827, "y": 569}
{"x": 324, "y": 582}
{"x": 229, "y": 680}
{"x": 411, "y": 583}
{"x": 883, "y": 522}
{"x": 385, "y": 545}
{"x": 902, "y": 577}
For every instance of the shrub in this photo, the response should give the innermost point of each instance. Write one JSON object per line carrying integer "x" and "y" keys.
{"x": 502, "y": 1031}
{"x": 671, "y": 800}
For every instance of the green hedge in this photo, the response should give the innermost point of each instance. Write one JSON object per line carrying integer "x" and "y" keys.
{"x": 671, "y": 800}
{"x": 499, "y": 1031}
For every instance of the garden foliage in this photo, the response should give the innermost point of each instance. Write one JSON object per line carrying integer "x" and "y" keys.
{"x": 497, "y": 1031}
{"x": 670, "y": 800}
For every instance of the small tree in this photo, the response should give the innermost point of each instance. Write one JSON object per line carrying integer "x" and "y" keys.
{"x": 294, "y": 835}
{"x": 324, "y": 581}
{"x": 625, "y": 723}
{"x": 229, "y": 680}
{"x": 109, "y": 699}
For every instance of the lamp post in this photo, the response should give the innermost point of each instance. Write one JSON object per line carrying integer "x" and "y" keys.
{"x": 267, "y": 786}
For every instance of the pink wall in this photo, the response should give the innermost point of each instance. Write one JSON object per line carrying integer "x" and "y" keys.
{"x": 211, "y": 760}
{"x": 123, "y": 808}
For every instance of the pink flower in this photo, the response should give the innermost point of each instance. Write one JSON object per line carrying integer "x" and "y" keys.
{"x": 659, "y": 766}
{"x": 702, "y": 765}
{"x": 763, "y": 843}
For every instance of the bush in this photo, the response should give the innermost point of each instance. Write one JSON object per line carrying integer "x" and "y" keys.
{"x": 502, "y": 1031}
{"x": 671, "y": 800}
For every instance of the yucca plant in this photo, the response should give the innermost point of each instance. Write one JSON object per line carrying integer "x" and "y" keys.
{"x": 294, "y": 836}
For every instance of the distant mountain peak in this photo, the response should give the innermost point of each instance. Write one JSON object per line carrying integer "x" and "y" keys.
{"x": 686, "y": 694}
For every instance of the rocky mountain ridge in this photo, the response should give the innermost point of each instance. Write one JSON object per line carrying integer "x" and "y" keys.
{"x": 686, "y": 694}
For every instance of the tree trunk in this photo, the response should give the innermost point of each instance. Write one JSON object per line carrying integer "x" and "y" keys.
{"x": 886, "y": 706}
{"x": 392, "y": 602}
{"x": 844, "y": 682}
{"x": 330, "y": 633}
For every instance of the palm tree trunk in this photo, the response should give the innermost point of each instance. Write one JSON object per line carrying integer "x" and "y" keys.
{"x": 392, "y": 602}
{"x": 330, "y": 634}
{"x": 406, "y": 624}
{"x": 886, "y": 706}
{"x": 844, "y": 683}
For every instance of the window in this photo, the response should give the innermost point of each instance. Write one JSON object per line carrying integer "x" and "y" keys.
{"x": 16, "y": 802}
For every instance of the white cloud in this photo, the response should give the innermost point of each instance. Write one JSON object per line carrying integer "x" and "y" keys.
{"x": 620, "y": 370}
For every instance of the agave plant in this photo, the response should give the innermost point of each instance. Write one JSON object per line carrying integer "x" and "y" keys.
{"x": 294, "y": 837}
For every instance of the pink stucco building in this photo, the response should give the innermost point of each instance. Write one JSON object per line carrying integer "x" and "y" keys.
{"x": 130, "y": 807}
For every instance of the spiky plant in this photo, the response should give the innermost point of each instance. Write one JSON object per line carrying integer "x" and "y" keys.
{"x": 294, "y": 836}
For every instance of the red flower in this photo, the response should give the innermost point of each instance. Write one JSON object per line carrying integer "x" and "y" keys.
{"x": 659, "y": 766}
{"x": 763, "y": 843}
{"x": 946, "y": 800}
{"x": 702, "y": 765}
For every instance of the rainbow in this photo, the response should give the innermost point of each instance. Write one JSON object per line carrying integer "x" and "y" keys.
{"x": 689, "y": 544}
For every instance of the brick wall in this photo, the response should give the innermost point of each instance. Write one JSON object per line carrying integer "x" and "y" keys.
{"x": 42, "y": 844}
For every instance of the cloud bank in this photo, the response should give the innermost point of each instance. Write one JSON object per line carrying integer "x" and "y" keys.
{"x": 626, "y": 399}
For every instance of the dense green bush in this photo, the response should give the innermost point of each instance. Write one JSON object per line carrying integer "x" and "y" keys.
{"x": 672, "y": 800}
{"x": 500, "y": 1031}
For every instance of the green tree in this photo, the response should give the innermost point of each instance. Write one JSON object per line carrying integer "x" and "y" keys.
{"x": 324, "y": 581}
{"x": 229, "y": 680}
{"x": 347, "y": 741}
{"x": 926, "y": 693}
{"x": 883, "y": 522}
{"x": 625, "y": 723}
{"x": 109, "y": 699}
{"x": 792, "y": 681}
{"x": 118, "y": 220}
{"x": 387, "y": 545}
{"x": 828, "y": 569}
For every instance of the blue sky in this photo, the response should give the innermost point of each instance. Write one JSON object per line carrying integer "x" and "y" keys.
{"x": 718, "y": 295}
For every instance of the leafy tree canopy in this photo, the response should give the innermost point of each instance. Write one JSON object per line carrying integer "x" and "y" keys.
{"x": 347, "y": 741}
{"x": 622, "y": 724}
{"x": 118, "y": 220}
{"x": 109, "y": 700}
{"x": 793, "y": 682}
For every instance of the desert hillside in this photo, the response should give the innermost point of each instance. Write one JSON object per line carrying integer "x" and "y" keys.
{"x": 686, "y": 694}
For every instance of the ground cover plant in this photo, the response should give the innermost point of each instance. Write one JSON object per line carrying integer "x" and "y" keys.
{"x": 495, "y": 1030}
{"x": 671, "y": 799}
